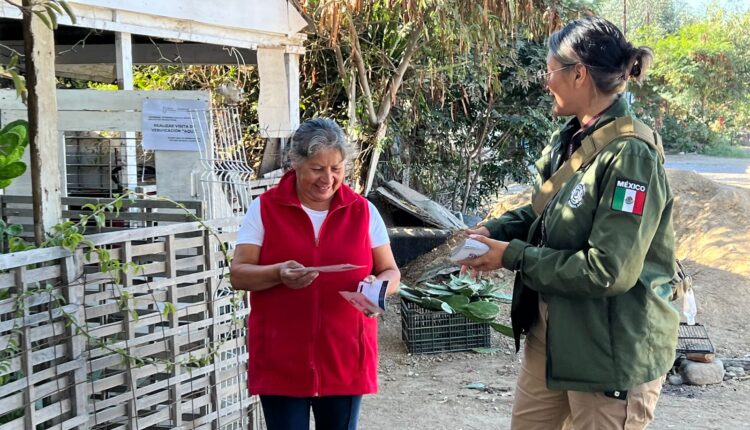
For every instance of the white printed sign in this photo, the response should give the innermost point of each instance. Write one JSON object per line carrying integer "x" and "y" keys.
{"x": 168, "y": 125}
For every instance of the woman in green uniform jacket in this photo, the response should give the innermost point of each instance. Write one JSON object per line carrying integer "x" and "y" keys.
{"x": 593, "y": 270}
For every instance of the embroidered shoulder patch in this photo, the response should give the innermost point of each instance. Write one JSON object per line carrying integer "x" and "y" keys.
{"x": 629, "y": 196}
{"x": 576, "y": 197}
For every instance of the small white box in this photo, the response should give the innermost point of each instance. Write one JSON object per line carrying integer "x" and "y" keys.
{"x": 468, "y": 249}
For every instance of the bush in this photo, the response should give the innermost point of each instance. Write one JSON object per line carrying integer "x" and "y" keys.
{"x": 690, "y": 136}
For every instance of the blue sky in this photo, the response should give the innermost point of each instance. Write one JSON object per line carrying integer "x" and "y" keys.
{"x": 698, "y": 6}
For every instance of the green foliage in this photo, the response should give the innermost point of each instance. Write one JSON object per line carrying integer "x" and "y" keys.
{"x": 169, "y": 309}
{"x": 697, "y": 97}
{"x": 662, "y": 15}
{"x": 475, "y": 299}
{"x": 726, "y": 150}
{"x": 102, "y": 86}
{"x": 460, "y": 143}
{"x": 698, "y": 69}
{"x": 12, "y": 230}
{"x": 10, "y": 71}
{"x": 13, "y": 142}
{"x": 687, "y": 136}
{"x": 361, "y": 51}
{"x": 48, "y": 10}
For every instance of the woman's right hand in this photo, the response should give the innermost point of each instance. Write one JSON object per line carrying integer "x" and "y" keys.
{"x": 480, "y": 231}
{"x": 295, "y": 280}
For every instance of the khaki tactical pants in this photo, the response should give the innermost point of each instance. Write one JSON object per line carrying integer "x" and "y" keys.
{"x": 538, "y": 408}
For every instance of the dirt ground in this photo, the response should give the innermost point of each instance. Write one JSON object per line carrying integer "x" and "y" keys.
{"x": 712, "y": 219}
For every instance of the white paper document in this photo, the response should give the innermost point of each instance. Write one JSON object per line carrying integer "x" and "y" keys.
{"x": 332, "y": 268}
{"x": 369, "y": 297}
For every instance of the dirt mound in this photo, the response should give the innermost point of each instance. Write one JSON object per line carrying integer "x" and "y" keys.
{"x": 509, "y": 201}
{"x": 711, "y": 222}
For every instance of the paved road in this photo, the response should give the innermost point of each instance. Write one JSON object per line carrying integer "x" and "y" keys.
{"x": 732, "y": 171}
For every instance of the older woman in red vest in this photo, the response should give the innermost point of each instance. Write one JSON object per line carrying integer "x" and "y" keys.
{"x": 310, "y": 348}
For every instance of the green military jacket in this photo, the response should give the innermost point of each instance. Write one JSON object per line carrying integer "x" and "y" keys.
{"x": 601, "y": 256}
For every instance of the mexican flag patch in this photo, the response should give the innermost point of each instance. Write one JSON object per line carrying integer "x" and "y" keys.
{"x": 629, "y": 196}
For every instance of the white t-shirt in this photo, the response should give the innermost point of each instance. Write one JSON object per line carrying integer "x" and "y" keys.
{"x": 252, "y": 231}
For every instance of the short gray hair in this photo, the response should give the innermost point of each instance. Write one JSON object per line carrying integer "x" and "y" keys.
{"x": 317, "y": 134}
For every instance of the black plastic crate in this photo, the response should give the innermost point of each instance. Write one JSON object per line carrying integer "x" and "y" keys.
{"x": 428, "y": 332}
{"x": 693, "y": 338}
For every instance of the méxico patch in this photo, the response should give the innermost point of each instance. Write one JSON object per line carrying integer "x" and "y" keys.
{"x": 629, "y": 196}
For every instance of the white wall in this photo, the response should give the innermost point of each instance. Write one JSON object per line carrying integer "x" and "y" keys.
{"x": 94, "y": 110}
{"x": 276, "y": 16}
{"x": 238, "y": 23}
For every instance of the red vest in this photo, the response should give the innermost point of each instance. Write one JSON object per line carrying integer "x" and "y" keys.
{"x": 311, "y": 341}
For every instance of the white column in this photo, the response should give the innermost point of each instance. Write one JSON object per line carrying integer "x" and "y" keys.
{"x": 124, "y": 65}
{"x": 291, "y": 66}
{"x": 63, "y": 165}
{"x": 278, "y": 103}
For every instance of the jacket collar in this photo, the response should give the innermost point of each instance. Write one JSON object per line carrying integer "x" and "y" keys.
{"x": 286, "y": 193}
{"x": 619, "y": 108}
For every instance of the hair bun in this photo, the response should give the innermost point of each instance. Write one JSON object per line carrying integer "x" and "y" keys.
{"x": 639, "y": 61}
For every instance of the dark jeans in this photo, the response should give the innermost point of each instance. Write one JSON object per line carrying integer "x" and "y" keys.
{"x": 293, "y": 413}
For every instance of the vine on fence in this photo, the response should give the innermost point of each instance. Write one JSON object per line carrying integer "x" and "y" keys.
{"x": 70, "y": 235}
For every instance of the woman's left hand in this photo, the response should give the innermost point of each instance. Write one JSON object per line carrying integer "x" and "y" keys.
{"x": 491, "y": 260}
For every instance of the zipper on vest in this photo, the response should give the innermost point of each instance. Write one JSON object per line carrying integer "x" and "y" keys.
{"x": 547, "y": 349}
{"x": 314, "y": 352}
{"x": 325, "y": 221}
{"x": 314, "y": 349}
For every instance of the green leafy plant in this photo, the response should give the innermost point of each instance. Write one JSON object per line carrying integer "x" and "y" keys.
{"x": 10, "y": 71}
{"x": 14, "y": 138}
{"x": 476, "y": 299}
{"x": 48, "y": 10}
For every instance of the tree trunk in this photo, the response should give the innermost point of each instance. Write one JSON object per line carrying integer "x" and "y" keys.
{"x": 375, "y": 144}
{"x": 379, "y": 119}
{"x": 351, "y": 111}
{"x": 405, "y": 155}
{"x": 43, "y": 138}
{"x": 467, "y": 185}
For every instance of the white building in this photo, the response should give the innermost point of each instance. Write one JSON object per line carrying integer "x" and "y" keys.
{"x": 110, "y": 36}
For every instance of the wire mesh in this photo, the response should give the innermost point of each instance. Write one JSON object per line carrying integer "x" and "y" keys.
{"x": 224, "y": 170}
{"x": 95, "y": 168}
{"x": 693, "y": 338}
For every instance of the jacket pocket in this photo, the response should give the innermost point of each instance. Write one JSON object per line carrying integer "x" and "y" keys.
{"x": 578, "y": 341}
{"x": 341, "y": 349}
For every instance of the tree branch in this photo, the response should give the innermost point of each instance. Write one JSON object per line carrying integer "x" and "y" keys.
{"x": 339, "y": 60}
{"x": 14, "y": 4}
{"x": 489, "y": 124}
{"x": 361, "y": 73}
{"x": 398, "y": 75}
{"x": 341, "y": 68}
{"x": 12, "y": 50}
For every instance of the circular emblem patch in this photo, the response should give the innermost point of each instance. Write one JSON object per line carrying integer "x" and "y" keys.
{"x": 576, "y": 197}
